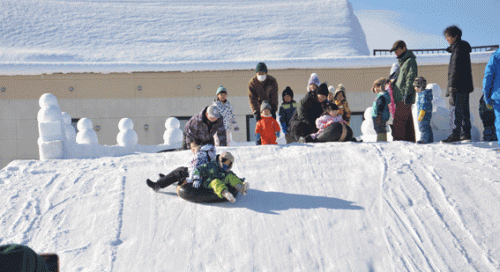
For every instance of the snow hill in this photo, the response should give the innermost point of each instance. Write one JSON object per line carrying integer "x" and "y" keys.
{"x": 90, "y": 31}
{"x": 394, "y": 206}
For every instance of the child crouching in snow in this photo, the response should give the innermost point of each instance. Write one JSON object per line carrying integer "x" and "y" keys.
{"x": 202, "y": 155}
{"x": 217, "y": 175}
{"x": 380, "y": 109}
{"x": 330, "y": 116}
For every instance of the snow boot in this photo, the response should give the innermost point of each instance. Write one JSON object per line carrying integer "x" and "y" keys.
{"x": 226, "y": 194}
{"x": 242, "y": 187}
{"x": 451, "y": 139}
{"x": 152, "y": 185}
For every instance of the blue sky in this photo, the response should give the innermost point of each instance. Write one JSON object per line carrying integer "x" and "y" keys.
{"x": 421, "y": 23}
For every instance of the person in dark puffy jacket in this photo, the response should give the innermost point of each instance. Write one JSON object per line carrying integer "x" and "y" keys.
{"x": 309, "y": 109}
{"x": 459, "y": 83}
{"x": 202, "y": 128}
{"x": 286, "y": 111}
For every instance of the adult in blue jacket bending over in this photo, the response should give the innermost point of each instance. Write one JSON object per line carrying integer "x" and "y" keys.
{"x": 491, "y": 89}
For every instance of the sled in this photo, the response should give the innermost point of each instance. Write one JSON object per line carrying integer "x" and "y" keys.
{"x": 336, "y": 132}
{"x": 201, "y": 195}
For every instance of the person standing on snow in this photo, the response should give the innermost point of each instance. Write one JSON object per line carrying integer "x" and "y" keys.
{"x": 262, "y": 87}
{"x": 404, "y": 93}
{"x": 459, "y": 83}
{"x": 491, "y": 89}
{"x": 226, "y": 110}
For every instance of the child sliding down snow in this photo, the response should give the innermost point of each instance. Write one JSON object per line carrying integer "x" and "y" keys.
{"x": 202, "y": 155}
{"x": 217, "y": 175}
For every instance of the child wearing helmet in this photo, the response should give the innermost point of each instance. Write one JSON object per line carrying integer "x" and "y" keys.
{"x": 217, "y": 175}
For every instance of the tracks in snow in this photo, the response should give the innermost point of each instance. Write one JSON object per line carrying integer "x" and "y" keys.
{"x": 423, "y": 221}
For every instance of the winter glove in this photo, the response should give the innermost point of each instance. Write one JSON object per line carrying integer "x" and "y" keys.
{"x": 273, "y": 113}
{"x": 284, "y": 128}
{"x": 489, "y": 106}
{"x": 197, "y": 183}
{"x": 421, "y": 115}
{"x": 277, "y": 134}
{"x": 236, "y": 128}
{"x": 257, "y": 116}
{"x": 450, "y": 91}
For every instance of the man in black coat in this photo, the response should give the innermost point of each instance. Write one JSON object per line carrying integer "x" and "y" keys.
{"x": 459, "y": 83}
{"x": 309, "y": 108}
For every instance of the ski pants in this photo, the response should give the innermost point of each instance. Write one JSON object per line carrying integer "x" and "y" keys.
{"x": 462, "y": 114}
{"x": 424, "y": 126}
{"x": 496, "y": 105}
{"x": 403, "y": 128}
{"x": 220, "y": 185}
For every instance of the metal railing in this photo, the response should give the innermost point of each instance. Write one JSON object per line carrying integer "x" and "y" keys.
{"x": 484, "y": 48}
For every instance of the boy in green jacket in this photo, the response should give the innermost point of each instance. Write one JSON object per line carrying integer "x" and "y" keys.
{"x": 217, "y": 175}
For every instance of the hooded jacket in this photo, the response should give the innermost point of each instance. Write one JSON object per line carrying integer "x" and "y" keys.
{"x": 403, "y": 89}
{"x": 491, "y": 81}
{"x": 460, "y": 70}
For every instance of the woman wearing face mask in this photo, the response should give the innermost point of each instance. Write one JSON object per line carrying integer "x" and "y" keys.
{"x": 262, "y": 87}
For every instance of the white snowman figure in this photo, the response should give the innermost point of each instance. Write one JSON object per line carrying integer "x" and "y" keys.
{"x": 127, "y": 135}
{"x": 86, "y": 134}
{"x": 173, "y": 134}
{"x": 50, "y": 128}
{"x": 368, "y": 130}
{"x": 69, "y": 130}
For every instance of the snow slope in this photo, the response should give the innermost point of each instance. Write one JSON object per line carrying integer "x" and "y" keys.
{"x": 164, "y": 30}
{"x": 326, "y": 207}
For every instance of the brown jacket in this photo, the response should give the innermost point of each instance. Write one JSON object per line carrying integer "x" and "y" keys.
{"x": 260, "y": 91}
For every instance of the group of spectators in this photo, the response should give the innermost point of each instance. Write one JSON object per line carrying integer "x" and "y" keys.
{"x": 299, "y": 120}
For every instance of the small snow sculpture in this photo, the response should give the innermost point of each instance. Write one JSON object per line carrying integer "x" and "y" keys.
{"x": 86, "y": 134}
{"x": 127, "y": 135}
{"x": 367, "y": 129}
{"x": 69, "y": 130}
{"x": 173, "y": 134}
{"x": 50, "y": 128}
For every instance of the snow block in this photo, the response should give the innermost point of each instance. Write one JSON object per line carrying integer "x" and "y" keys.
{"x": 51, "y": 150}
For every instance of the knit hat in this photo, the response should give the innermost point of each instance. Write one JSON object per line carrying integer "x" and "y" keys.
{"x": 221, "y": 89}
{"x": 265, "y": 105}
{"x": 420, "y": 82}
{"x": 379, "y": 82}
{"x": 261, "y": 67}
{"x": 287, "y": 91}
{"x": 330, "y": 107}
{"x": 323, "y": 89}
{"x": 213, "y": 111}
{"x": 226, "y": 156}
{"x": 313, "y": 79}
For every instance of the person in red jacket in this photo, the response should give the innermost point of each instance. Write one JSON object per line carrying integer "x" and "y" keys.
{"x": 267, "y": 129}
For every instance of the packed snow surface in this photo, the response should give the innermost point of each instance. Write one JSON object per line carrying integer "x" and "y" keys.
{"x": 166, "y": 30}
{"x": 394, "y": 206}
